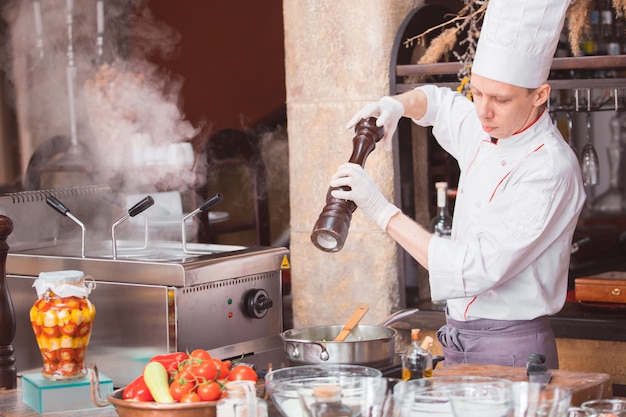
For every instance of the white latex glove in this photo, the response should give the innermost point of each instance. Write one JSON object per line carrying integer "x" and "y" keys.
{"x": 388, "y": 110}
{"x": 364, "y": 193}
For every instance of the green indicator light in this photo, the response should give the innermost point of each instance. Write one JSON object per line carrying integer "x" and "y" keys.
{"x": 230, "y": 301}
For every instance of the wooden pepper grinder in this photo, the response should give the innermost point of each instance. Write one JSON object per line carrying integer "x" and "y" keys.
{"x": 331, "y": 229}
{"x": 8, "y": 373}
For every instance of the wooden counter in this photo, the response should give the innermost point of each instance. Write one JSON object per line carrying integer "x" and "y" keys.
{"x": 584, "y": 385}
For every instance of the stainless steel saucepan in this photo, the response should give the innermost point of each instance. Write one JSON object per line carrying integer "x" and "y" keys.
{"x": 367, "y": 345}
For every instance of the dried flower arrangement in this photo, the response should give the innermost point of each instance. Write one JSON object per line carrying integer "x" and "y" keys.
{"x": 468, "y": 21}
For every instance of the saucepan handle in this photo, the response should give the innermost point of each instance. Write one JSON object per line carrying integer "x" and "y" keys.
{"x": 399, "y": 316}
{"x": 295, "y": 353}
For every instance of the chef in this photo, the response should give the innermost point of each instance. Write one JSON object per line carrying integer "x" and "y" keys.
{"x": 520, "y": 192}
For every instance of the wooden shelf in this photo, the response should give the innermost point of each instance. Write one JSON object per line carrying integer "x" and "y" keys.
{"x": 558, "y": 64}
{"x": 569, "y": 84}
{"x": 582, "y": 62}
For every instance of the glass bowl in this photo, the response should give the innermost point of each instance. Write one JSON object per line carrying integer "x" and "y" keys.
{"x": 291, "y": 389}
{"x": 613, "y": 407}
{"x": 532, "y": 399}
{"x": 458, "y": 396}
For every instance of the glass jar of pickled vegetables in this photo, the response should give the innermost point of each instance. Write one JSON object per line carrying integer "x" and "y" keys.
{"x": 62, "y": 319}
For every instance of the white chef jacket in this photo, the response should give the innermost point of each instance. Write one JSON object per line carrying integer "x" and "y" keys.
{"x": 517, "y": 205}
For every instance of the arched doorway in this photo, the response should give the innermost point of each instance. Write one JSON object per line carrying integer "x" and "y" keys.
{"x": 418, "y": 158}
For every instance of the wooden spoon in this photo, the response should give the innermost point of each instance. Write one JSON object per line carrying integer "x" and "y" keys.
{"x": 351, "y": 323}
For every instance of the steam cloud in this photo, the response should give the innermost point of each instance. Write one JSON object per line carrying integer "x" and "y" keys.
{"x": 127, "y": 109}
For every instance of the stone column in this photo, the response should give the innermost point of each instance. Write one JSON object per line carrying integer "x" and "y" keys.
{"x": 337, "y": 57}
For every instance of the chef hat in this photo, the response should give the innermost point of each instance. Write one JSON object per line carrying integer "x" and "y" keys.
{"x": 518, "y": 40}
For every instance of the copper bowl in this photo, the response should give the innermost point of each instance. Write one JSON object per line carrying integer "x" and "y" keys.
{"x": 130, "y": 408}
{"x": 126, "y": 408}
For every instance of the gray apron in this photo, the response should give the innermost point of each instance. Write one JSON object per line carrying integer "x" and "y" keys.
{"x": 497, "y": 342}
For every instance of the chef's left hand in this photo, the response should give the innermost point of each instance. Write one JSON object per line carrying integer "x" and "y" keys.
{"x": 387, "y": 111}
{"x": 364, "y": 193}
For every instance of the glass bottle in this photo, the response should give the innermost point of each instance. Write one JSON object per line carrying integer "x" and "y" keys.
{"x": 590, "y": 44}
{"x": 620, "y": 28}
{"x": 611, "y": 201}
{"x": 241, "y": 401}
{"x": 62, "y": 319}
{"x": 441, "y": 224}
{"x": 417, "y": 362}
{"x": 606, "y": 28}
{"x": 328, "y": 402}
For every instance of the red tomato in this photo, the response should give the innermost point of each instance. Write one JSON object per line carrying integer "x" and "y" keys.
{"x": 223, "y": 368}
{"x": 204, "y": 371}
{"x": 190, "y": 397}
{"x": 242, "y": 372}
{"x": 209, "y": 391}
{"x": 200, "y": 354}
{"x": 184, "y": 373}
{"x": 178, "y": 388}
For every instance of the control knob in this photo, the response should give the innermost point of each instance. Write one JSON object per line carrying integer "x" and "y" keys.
{"x": 257, "y": 302}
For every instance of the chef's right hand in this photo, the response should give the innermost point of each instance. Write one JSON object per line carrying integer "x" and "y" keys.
{"x": 388, "y": 111}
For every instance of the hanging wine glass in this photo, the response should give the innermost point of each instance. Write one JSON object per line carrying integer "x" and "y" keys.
{"x": 589, "y": 157}
{"x": 73, "y": 157}
{"x": 611, "y": 200}
{"x": 38, "y": 35}
{"x": 570, "y": 138}
{"x": 100, "y": 30}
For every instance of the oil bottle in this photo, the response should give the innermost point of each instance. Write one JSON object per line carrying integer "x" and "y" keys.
{"x": 417, "y": 361}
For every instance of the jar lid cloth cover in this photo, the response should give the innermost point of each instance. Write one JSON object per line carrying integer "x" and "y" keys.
{"x": 69, "y": 283}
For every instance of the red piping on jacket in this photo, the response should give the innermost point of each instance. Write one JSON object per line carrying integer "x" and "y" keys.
{"x": 507, "y": 174}
{"x": 491, "y": 198}
{"x": 467, "y": 307}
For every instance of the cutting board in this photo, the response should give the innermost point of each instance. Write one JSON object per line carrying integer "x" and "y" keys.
{"x": 584, "y": 385}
